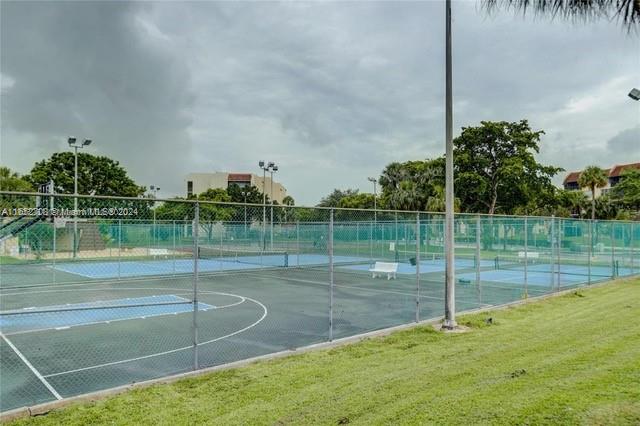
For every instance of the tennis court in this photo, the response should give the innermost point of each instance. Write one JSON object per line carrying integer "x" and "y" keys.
{"x": 139, "y": 299}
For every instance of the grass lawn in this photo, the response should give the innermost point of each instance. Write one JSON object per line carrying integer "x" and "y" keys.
{"x": 573, "y": 359}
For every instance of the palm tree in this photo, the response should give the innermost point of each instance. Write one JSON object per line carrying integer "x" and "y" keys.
{"x": 577, "y": 10}
{"x": 593, "y": 177}
{"x": 406, "y": 197}
{"x": 436, "y": 202}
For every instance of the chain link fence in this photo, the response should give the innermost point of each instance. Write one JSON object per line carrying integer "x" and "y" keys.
{"x": 131, "y": 289}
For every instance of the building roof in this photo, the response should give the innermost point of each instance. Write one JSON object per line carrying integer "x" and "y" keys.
{"x": 571, "y": 177}
{"x": 239, "y": 177}
{"x": 614, "y": 171}
{"x": 618, "y": 169}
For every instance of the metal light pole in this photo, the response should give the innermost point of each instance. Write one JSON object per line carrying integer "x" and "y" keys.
{"x": 155, "y": 190}
{"x": 265, "y": 168}
{"x": 272, "y": 170}
{"x": 75, "y": 145}
{"x": 449, "y": 307}
{"x": 375, "y": 198}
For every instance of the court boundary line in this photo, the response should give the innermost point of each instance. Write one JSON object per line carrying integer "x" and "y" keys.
{"x": 108, "y": 364}
{"x": 31, "y": 367}
{"x": 63, "y": 328}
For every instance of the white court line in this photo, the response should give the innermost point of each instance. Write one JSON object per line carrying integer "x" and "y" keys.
{"x": 264, "y": 315}
{"x": 31, "y": 367}
{"x": 36, "y": 330}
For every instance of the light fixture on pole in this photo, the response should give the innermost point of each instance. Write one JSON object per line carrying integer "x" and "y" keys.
{"x": 375, "y": 198}
{"x": 73, "y": 143}
{"x": 634, "y": 94}
{"x": 155, "y": 190}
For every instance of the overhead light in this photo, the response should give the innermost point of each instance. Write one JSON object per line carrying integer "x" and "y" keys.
{"x": 86, "y": 142}
{"x": 634, "y": 94}
{"x": 71, "y": 141}
{"x": 261, "y": 163}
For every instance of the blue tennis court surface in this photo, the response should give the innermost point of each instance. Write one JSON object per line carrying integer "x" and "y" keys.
{"x": 516, "y": 277}
{"x": 92, "y": 312}
{"x": 136, "y": 268}
{"x": 428, "y": 266}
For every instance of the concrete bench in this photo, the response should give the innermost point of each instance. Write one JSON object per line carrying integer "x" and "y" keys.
{"x": 381, "y": 268}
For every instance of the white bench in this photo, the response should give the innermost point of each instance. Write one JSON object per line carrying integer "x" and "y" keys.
{"x": 158, "y": 252}
{"x": 530, "y": 255}
{"x": 381, "y": 268}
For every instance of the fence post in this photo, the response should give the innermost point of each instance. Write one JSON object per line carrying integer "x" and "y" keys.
{"x": 173, "y": 237}
{"x": 357, "y": 239}
{"x": 397, "y": 258}
{"x": 553, "y": 267}
{"x": 298, "y": 243}
{"x": 417, "y": 266}
{"x": 119, "y": 245}
{"x": 196, "y": 225}
{"x": 631, "y": 251}
{"x": 331, "y": 275}
{"x": 370, "y": 242}
{"x": 53, "y": 223}
{"x": 526, "y": 257}
{"x": 613, "y": 251}
{"x": 559, "y": 233}
{"x": 477, "y": 256}
{"x": 590, "y": 251}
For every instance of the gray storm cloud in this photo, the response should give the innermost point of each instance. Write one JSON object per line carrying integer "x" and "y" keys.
{"x": 331, "y": 91}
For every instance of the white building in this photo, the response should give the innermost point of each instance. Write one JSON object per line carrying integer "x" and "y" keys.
{"x": 197, "y": 183}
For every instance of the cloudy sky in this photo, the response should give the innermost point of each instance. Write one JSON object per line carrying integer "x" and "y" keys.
{"x": 330, "y": 91}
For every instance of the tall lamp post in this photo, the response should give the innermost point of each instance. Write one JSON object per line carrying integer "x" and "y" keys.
{"x": 274, "y": 169}
{"x": 155, "y": 190}
{"x": 375, "y": 198}
{"x": 266, "y": 167}
{"x": 73, "y": 143}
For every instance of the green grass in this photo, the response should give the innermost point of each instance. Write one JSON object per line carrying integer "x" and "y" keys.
{"x": 573, "y": 359}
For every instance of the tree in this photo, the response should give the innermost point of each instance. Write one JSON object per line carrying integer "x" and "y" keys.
{"x": 496, "y": 169}
{"x": 333, "y": 199}
{"x": 12, "y": 181}
{"x": 574, "y": 201}
{"x": 252, "y": 195}
{"x": 357, "y": 201}
{"x": 97, "y": 175}
{"x": 627, "y": 191}
{"x": 406, "y": 196}
{"x": 436, "y": 202}
{"x": 626, "y": 10}
{"x": 593, "y": 177}
{"x": 288, "y": 201}
{"x": 411, "y": 182}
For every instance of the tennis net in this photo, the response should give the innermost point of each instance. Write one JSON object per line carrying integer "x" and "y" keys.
{"x": 549, "y": 264}
{"x": 276, "y": 258}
